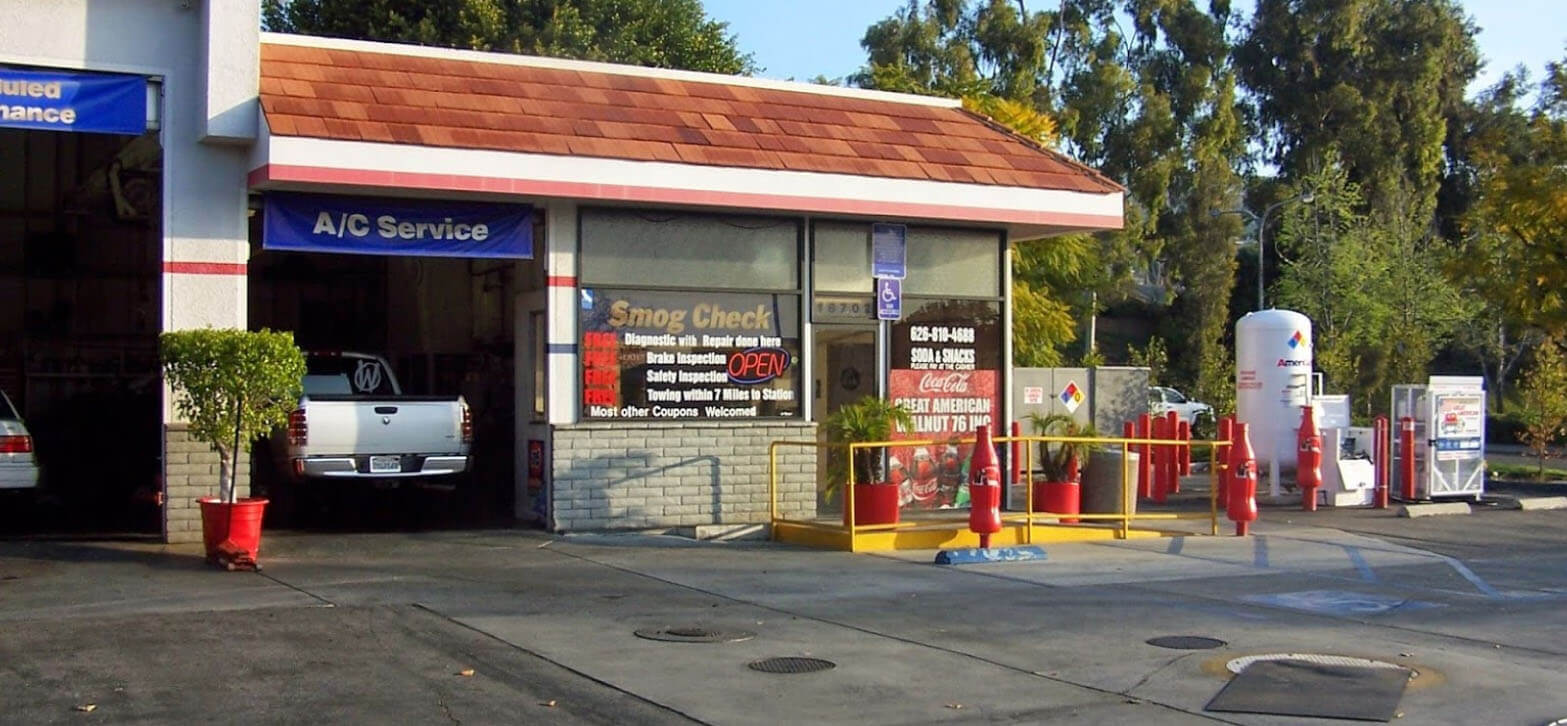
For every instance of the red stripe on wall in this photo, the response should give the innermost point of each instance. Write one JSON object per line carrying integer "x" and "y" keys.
{"x": 273, "y": 173}
{"x": 205, "y": 268}
{"x": 562, "y": 281}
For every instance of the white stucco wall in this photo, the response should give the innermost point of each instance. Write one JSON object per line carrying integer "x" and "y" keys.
{"x": 205, "y": 59}
{"x": 203, "y": 183}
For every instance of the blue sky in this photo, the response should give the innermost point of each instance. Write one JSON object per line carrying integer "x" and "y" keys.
{"x": 802, "y": 39}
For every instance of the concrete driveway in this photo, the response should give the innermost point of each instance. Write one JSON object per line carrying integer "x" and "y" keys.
{"x": 513, "y": 626}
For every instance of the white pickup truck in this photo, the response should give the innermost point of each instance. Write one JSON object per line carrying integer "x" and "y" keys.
{"x": 354, "y": 422}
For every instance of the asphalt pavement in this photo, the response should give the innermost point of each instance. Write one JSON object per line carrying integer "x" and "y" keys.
{"x": 506, "y": 626}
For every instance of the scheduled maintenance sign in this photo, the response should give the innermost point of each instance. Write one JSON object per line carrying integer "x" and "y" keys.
{"x": 86, "y": 102}
{"x": 367, "y": 226}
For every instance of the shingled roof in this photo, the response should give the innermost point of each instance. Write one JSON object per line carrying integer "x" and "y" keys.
{"x": 569, "y": 108}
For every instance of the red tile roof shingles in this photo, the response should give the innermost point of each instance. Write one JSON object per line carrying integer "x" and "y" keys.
{"x": 357, "y": 95}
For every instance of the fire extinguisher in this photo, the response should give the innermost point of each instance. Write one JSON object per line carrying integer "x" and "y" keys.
{"x": 1308, "y": 459}
{"x": 984, "y": 514}
{"x": 1242, "y": 485}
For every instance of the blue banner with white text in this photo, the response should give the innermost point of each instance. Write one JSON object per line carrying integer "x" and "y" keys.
{"x": 369, "y": 226}
{"x": 85, "y": 102}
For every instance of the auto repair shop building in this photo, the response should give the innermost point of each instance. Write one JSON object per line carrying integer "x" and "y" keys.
{"x": 694, "y": 279}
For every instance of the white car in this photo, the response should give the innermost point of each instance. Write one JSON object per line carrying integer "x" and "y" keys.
{"x": 1162, "y": 399}
{"x": 18, "y": 468}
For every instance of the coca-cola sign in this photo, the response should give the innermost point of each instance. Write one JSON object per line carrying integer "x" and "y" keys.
{"x": 945, "y": 407}
{"x": 944, "y": 382}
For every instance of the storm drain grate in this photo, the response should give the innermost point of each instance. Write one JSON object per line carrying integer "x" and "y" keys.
{"x": 791, "y": 664}
{"x": 1186, "y": 642}
{"x": 694, "y": 634}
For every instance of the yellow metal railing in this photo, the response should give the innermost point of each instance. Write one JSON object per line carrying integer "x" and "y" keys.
{"x": 1028, "y": 518}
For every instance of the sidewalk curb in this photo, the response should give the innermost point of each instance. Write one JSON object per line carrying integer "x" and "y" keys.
{"x": 1413, "y": 511}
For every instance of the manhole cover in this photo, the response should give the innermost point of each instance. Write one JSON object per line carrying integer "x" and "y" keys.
{"x": 1239, "y": 664}
{"x": 1186, "y": 642}
{"x": 694, "y": 634}
{"x": 791, "y": 664}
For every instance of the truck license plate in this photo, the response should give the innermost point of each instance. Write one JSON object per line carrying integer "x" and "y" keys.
{"x": 386, "y": 464}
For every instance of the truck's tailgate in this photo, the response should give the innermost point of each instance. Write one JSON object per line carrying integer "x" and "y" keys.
{"x": 340, "y": 427}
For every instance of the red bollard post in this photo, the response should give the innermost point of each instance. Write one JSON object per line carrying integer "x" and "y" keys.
{"x": 1308, "y": 459}
{"x": 1381, "y": 447}
{"x": 1242, "y": 486}
{"x": 1158, "y": 485}
{"x": 984, "y": 489}
{"x": 1221, "y": 457}
{"x": 1144, "y": 457}
{"x": 1184, "y": 433}
{"x": 1016, "y": 456}
{"x": 1406, "y": 462}
{"x": 1172, "y": 478}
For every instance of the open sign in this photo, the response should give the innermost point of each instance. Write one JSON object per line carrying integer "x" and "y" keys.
{"x": 757, "y": 365}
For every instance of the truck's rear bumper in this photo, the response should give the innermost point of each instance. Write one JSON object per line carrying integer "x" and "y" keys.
{"x": 358, "y": 466}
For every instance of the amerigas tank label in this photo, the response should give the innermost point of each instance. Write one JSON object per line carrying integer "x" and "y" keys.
{"x": 1300, "y": 345}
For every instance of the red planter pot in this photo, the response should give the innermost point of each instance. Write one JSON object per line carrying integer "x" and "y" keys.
{"x": 238, "y": 524}
{"x": 1058, "y": 497}
{"x": 873, "y": 504}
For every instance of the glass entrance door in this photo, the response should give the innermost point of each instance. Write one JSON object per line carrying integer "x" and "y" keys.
{"x": 845, "y": 364}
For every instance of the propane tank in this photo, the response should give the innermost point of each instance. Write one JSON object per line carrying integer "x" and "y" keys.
{"x": 1242, "y": 485}
{"x": 1308, "y": 461}
{"x": 984, "y": 514}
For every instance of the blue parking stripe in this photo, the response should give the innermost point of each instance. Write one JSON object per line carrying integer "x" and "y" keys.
{"x": 1259, "y": 553}
{"x": 1469, "y": 575}
{"x": 1359, "y": 559}
{"x": 1176, "y": 543}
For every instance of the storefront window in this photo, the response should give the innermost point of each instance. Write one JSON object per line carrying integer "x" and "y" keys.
{"x": 940, "y": 261}
{"x": 637, "y": 248}
{"x": 953, "y": 263}
{"x": 946, "y": 369}
{"x": 706, "y": 352}
{"x": 689, "y": 355}
{"x": 842, "y": 257}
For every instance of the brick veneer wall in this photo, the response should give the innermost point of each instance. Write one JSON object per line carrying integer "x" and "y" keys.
{"x": 632, "y": 475}
{"x": 190, "y": 471}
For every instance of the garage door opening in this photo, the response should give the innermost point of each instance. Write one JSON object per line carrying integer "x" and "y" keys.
{"x": 80, "y": 302}
{"x": 446, "y": 327}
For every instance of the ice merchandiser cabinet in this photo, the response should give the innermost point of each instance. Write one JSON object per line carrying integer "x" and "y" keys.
{"x": 1449, "y": 450}
{"x": 1272, "y": 381}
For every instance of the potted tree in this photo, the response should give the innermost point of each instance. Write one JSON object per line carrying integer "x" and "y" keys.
{"x": 1056, "y": 489}
{"x": 869, "y": 419}
{"x": 232, "y": 387}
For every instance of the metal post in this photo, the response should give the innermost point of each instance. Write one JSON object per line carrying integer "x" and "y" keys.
{"x": 1407, "y": 460}
{"x": 1144, "y": 457}
{"x": 1126, "y": 479}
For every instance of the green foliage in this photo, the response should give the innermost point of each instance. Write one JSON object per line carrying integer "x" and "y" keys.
{"x": 1153, "y": 356}
{"x": 1370, "y": 82}
{"x": 869, "y": 419}
{"x": 1046, "y": 276}
{"x": 1380, "y": 305}
{"x": 1056, "y": 457}
{"x": 1543, "y": 401}
{"x": 232, "y": 386}
{"x": 1516, "y": 231}
{"x": 654, "y": 33}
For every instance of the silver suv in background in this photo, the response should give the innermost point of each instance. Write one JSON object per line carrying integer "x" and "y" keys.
{"x": 1162, "y": 399}
{"x": 18, "y": 467}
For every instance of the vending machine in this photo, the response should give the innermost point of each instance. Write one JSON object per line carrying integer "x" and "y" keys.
{"x": 1449, "y": 446}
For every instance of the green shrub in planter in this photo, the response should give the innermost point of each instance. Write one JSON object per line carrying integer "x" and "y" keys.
{"x": 232, "y": 387}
